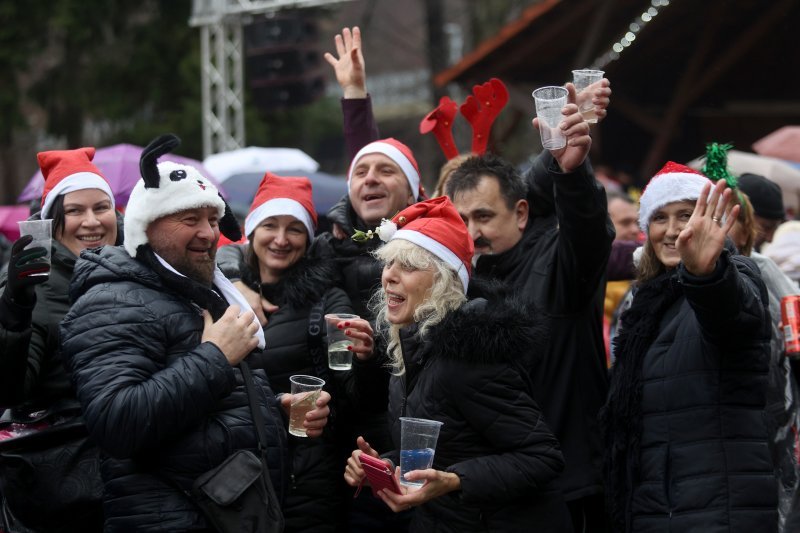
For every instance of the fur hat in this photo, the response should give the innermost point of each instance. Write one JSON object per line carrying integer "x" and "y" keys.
{"x": 66, "y": 171}
{"x": 282, "y": 196}
{"x": 168, "y": 188}
{"x": 673, "y": 183}
{"x": 397, "y": 152}
{"x": 436, "y": 226}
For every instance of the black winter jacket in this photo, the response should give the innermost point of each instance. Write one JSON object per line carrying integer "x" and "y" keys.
{"x": 30, "y": 369}
{"x": 705, "y": 460}
{"x": 468, "y": 373}
{"x": 559, "y": 267}
{"x": 163, "y": 407}
{"x": 296, "y": 344}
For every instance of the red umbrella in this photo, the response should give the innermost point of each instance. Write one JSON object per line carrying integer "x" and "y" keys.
{"x": 119, "y": 164}
{"x": 783, "y": 143}
{"x": 9, "y": 216}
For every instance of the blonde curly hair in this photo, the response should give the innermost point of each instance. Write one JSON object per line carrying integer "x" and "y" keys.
{"x": 445, "y": 294}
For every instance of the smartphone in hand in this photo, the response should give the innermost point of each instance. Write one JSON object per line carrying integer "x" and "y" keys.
{"x": 379, "y": 474}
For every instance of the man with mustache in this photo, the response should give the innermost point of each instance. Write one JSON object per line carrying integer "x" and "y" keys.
{"x": 547, "y": 237}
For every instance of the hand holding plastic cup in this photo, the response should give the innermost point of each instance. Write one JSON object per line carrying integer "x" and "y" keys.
{"x": 42, "y": 233}
{"x": 549, "y": 102}
{"x": 305, "y": 392}
{"x": 582, "y": 79}
{"x": 417, "y": 446}
{"x": 339, "y": 356}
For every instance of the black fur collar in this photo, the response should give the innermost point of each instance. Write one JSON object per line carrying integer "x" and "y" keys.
{"x": 489, "y": 331}
{"x": 302, "y": 284}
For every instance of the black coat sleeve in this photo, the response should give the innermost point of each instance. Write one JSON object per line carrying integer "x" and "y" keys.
{"x": 494, "y": 400}
{"x": 115, "y": 342}
{"x": 731, "y": 304}
{"x": 230, "y": 260}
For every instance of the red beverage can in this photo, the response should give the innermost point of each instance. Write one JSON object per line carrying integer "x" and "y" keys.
{"x": 790, "y": 322}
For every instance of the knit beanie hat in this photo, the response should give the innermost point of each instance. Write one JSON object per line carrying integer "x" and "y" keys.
{"x": 397, "y": 152}
{"x": 673, "y": 183}
{"x": 436, "y": 226}
{"x": 279, "y": 195}
{"x": 66, "y": 171}
{"x": 765, "y": 195}
{"x": 168, "y": 188}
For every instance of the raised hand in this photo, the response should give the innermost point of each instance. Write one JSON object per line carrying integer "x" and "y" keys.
{"x": 349, "y": 67}
{"x": 700, "y": 243}
{"x": 600, "y": 94}
{"x": 234, "y": 333}
{"x": 26, "y": 268}
{"x": 576, "y": 130}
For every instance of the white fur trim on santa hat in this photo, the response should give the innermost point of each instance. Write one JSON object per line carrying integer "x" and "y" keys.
{"x": 75, "y": 182}
{"x": 277, "y": 207}
{"x": 665, "y": 189}
{"x": 438, "y": 249}
{"x": 395, "y": 155}
{"x": 146, "y": 205}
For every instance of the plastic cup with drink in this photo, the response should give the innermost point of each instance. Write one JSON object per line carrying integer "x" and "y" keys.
{"x": 417, "y": 447}
{"x": 549, "y": 102}
{"x": 42, "y": 233}
{"x": 305, "y": 391}
{"x": 582, "y": 79}
{"x": 339, "y": 356}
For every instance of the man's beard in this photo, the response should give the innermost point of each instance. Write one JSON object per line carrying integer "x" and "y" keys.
{"x": 201, "y": 271}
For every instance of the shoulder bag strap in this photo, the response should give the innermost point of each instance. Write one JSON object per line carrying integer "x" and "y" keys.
{"x": 261, "y": 431}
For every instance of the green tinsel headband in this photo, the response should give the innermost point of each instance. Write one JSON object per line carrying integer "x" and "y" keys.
{"x": 716, "y": 165}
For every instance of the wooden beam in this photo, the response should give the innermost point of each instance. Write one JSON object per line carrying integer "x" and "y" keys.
{"x": 635, "y": 114}
{"x": 603, "y": 9}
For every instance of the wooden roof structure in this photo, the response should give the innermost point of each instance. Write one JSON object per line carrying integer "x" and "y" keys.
{"x": 693, "y": 71}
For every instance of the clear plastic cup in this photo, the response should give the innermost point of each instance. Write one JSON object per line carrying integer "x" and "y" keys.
{"x": 549, "y": 102}
{"x": 305, "y": 391}
{"x": 339, "y": 357}
{"x": 582, "y": 79}
{"x": 42, "y": 233}
{"x": 417, "y": 447}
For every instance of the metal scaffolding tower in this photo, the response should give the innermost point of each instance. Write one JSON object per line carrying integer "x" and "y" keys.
{"x": 222, "y": 56}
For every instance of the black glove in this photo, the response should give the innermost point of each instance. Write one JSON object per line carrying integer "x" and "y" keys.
{"x": 25, "y": 270}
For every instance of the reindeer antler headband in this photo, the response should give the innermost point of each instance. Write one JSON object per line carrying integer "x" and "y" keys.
{"x": 481, "y": 108}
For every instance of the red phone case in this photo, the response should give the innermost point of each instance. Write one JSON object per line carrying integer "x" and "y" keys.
{"x": 379, "y": 474}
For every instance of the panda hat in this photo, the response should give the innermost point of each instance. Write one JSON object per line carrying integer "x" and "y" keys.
{"x": 168, "y": 188}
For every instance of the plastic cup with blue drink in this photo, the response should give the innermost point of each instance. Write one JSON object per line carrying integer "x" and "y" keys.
{"x": 417, "y": 446}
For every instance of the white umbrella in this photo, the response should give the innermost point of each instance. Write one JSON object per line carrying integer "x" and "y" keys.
{"x": 254, "y": 159}
{"x": 786, "y": 175}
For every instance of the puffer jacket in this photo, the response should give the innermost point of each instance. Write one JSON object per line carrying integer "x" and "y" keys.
{"x": 468, "y": 373}
{"x": 162, "y": 406}
{"x": 705, "y": 462}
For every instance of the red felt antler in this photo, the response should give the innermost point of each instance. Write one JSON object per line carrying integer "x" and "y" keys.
{"x": 440, "y": 121}
{"x": 482, "y": 109}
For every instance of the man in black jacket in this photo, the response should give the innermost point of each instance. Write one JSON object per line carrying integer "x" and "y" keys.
{"x": 548, "y": 237}
{"x": 154, "y": 349}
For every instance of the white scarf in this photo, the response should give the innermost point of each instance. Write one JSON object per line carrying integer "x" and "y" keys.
{"x": 229, "y": 293}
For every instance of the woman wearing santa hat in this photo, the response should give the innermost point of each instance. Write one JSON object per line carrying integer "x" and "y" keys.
{"x": 280, "y": 228}
{"x": 457, "y": 362}
{"x": 686, "y": 437}
{"x": 35, "y": 298}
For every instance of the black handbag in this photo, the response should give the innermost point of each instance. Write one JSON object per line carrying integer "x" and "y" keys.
{"x": 237, "y": 496}
{"x": 50, "y": 473}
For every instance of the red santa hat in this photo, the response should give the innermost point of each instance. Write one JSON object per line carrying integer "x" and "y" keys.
{"x": 279, "y": 195}
{"x": 66, "y": 171}
{"x": 673, "y": 183}
{"x": 436, "y": 226}
{"x": 397, "y": 152}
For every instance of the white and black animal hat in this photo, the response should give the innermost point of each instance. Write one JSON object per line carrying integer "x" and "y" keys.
{"x": 167, "y": 188}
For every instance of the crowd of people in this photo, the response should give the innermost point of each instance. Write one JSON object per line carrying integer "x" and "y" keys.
{"x": 597, "y": 364}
